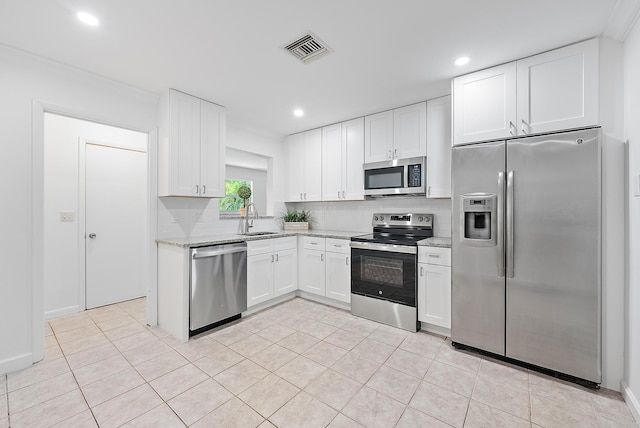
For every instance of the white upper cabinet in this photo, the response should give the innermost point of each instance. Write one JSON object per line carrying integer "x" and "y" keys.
{"x": 332, "y": 151}
{"x": 313, "y": 165}
{"x": 410, "y": 131}
{"x": 485, "y": 104}
{"x": 378, "y": 136}
{"x": 352, "y": 160}
{"x": 342, "y": 158}
{"x": 552, "y": 91}
{"x": 212, "y": 150}
{"x": 439, "y": 147}
{"x": 558, "y": 89}
{"x": 192, "y": 144}
{"x": 395, "y": 134}
{"x": 305, "y": 167}
{"x": 295, "y": 150}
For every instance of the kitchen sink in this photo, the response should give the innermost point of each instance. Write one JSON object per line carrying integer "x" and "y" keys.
{"x": 259, "y": 233}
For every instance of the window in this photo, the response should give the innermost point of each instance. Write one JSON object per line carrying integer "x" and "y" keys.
{"x": 231, "y": 203}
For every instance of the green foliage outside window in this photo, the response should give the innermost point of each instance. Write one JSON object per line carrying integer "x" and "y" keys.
{"x": 232, "y": 202}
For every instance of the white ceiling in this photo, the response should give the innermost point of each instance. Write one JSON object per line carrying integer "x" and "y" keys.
{"x": 387, "y": 53}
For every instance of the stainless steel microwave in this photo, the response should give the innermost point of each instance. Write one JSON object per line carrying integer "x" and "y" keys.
{"x": 395, "y": 177}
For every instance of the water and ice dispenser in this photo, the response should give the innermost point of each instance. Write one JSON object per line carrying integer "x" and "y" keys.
{"x": 478, "y": 219}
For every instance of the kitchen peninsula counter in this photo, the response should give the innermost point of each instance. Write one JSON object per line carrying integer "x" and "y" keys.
{"x": 200, "y": 241}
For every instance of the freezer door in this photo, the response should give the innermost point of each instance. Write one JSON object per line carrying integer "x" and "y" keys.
{"x": 477, "y": 312}
{"x": 553, "y": 280}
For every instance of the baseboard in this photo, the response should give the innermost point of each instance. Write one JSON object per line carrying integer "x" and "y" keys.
{"x": 631, "y": 400}
{"x": 14, "y": 364}
{"x": 441, "y": 331}
{"x": 61, "y": 312}
{"x": 324, "y": 300}
{"x": 269, "y": 303}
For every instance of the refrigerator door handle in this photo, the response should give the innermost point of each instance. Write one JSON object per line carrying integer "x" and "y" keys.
{"x": 500, "y": 222}
{"x": 510, "y": 269}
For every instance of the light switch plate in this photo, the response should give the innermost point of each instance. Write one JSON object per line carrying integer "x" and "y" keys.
{"x": 636, "y": 185}
{"x": 67, "y": 216}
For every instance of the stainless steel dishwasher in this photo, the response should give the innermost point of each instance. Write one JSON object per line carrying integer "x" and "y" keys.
{"x": 217, "y": 285}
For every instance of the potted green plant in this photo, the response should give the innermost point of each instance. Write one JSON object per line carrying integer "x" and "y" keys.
{"x": 244, "y": 193}
{"x": 295, "y": 220}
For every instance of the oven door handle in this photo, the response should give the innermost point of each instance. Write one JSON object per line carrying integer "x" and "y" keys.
{"x": 384, "y": 247}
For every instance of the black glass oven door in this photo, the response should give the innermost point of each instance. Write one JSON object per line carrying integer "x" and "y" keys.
{"x": 384, "y": 275}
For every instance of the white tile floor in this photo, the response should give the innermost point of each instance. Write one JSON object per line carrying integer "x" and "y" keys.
{"x": 298, "y": 364}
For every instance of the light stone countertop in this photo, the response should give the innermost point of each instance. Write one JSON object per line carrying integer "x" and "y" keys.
{"x": 200, "y": 241}
{"x": 436, "y": 242}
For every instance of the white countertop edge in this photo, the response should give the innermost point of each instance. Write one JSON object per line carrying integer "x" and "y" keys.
{"x": 435, "y": 242}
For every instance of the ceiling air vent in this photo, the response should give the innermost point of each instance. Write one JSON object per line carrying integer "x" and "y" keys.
{"x": 308, "y": 48}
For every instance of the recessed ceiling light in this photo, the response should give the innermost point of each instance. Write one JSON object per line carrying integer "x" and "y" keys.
{"x": 88, "y": 19}
{"x": 463, "y": 60}
{"x": 298, "y": 112}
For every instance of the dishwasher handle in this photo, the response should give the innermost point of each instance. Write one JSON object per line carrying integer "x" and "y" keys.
{"x": 215, "y": 251}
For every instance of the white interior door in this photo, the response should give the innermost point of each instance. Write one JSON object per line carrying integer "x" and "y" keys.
{"x": 115, "y": 224}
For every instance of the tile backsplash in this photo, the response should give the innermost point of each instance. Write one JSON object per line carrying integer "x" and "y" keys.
{"x": 182, "y": 217}
{"x": 356, "y": 215}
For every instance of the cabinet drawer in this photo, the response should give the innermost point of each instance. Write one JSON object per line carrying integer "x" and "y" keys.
{"x": 338, "y": 245}
{"x": 435, "y": 255}
{"x": 288, "y": 243}
{"x": 259, "y": 246}
{"x": 312, "y": 243}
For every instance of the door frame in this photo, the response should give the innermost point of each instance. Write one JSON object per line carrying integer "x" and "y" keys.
{"x": 82, "y": 212}
{"x": 36, "y": 238}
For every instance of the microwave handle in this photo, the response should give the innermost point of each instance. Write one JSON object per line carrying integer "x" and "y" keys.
{"x": 406, "y": 177}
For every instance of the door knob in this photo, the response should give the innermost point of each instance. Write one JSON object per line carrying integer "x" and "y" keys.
{"x": 92, "y": 235}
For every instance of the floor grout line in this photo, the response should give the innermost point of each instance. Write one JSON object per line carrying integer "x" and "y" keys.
{"x": 74, "y": 378}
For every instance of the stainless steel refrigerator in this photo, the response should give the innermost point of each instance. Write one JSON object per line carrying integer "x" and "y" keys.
{"x": 526, "y": 250}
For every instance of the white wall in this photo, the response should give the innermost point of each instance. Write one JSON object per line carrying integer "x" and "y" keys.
{"x": 61, "y": 193}
{"x": 184, "y": 217}
{"x": 631, "y": 383}
{"x": 611, "y": 119}
{"x": 23, "y": 80}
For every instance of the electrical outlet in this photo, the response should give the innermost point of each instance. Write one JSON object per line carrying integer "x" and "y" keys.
{"x": 67, "y": 216}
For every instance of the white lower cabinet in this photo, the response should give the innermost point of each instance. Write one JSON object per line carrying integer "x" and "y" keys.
{"x": 284, "y": 271}
{"x": 338, "y": 270}
{"x": 311, "y": 266}
{"x": 271, "y": 269}
{"x": 434, "y": 286}
{"x": 325, "y": 267}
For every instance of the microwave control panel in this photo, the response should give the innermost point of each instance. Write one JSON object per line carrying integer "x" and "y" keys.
{"x": 415, "y": 175}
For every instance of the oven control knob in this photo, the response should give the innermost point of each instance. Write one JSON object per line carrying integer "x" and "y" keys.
{"x": 381, "y": 218}
{"x": 375, "y": 218}
{"x": 380, "y": 292}
{"x": 420, "y": 219}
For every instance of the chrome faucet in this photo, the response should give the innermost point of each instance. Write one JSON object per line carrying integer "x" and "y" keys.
{"x": 249, "y": 224}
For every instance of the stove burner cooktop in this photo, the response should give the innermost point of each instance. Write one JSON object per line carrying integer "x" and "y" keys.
{"x": 399, "y": 229}
{"x": 388, "y": 238}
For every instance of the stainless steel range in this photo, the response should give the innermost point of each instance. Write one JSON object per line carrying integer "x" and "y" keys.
{"x": 384, "y": 269}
